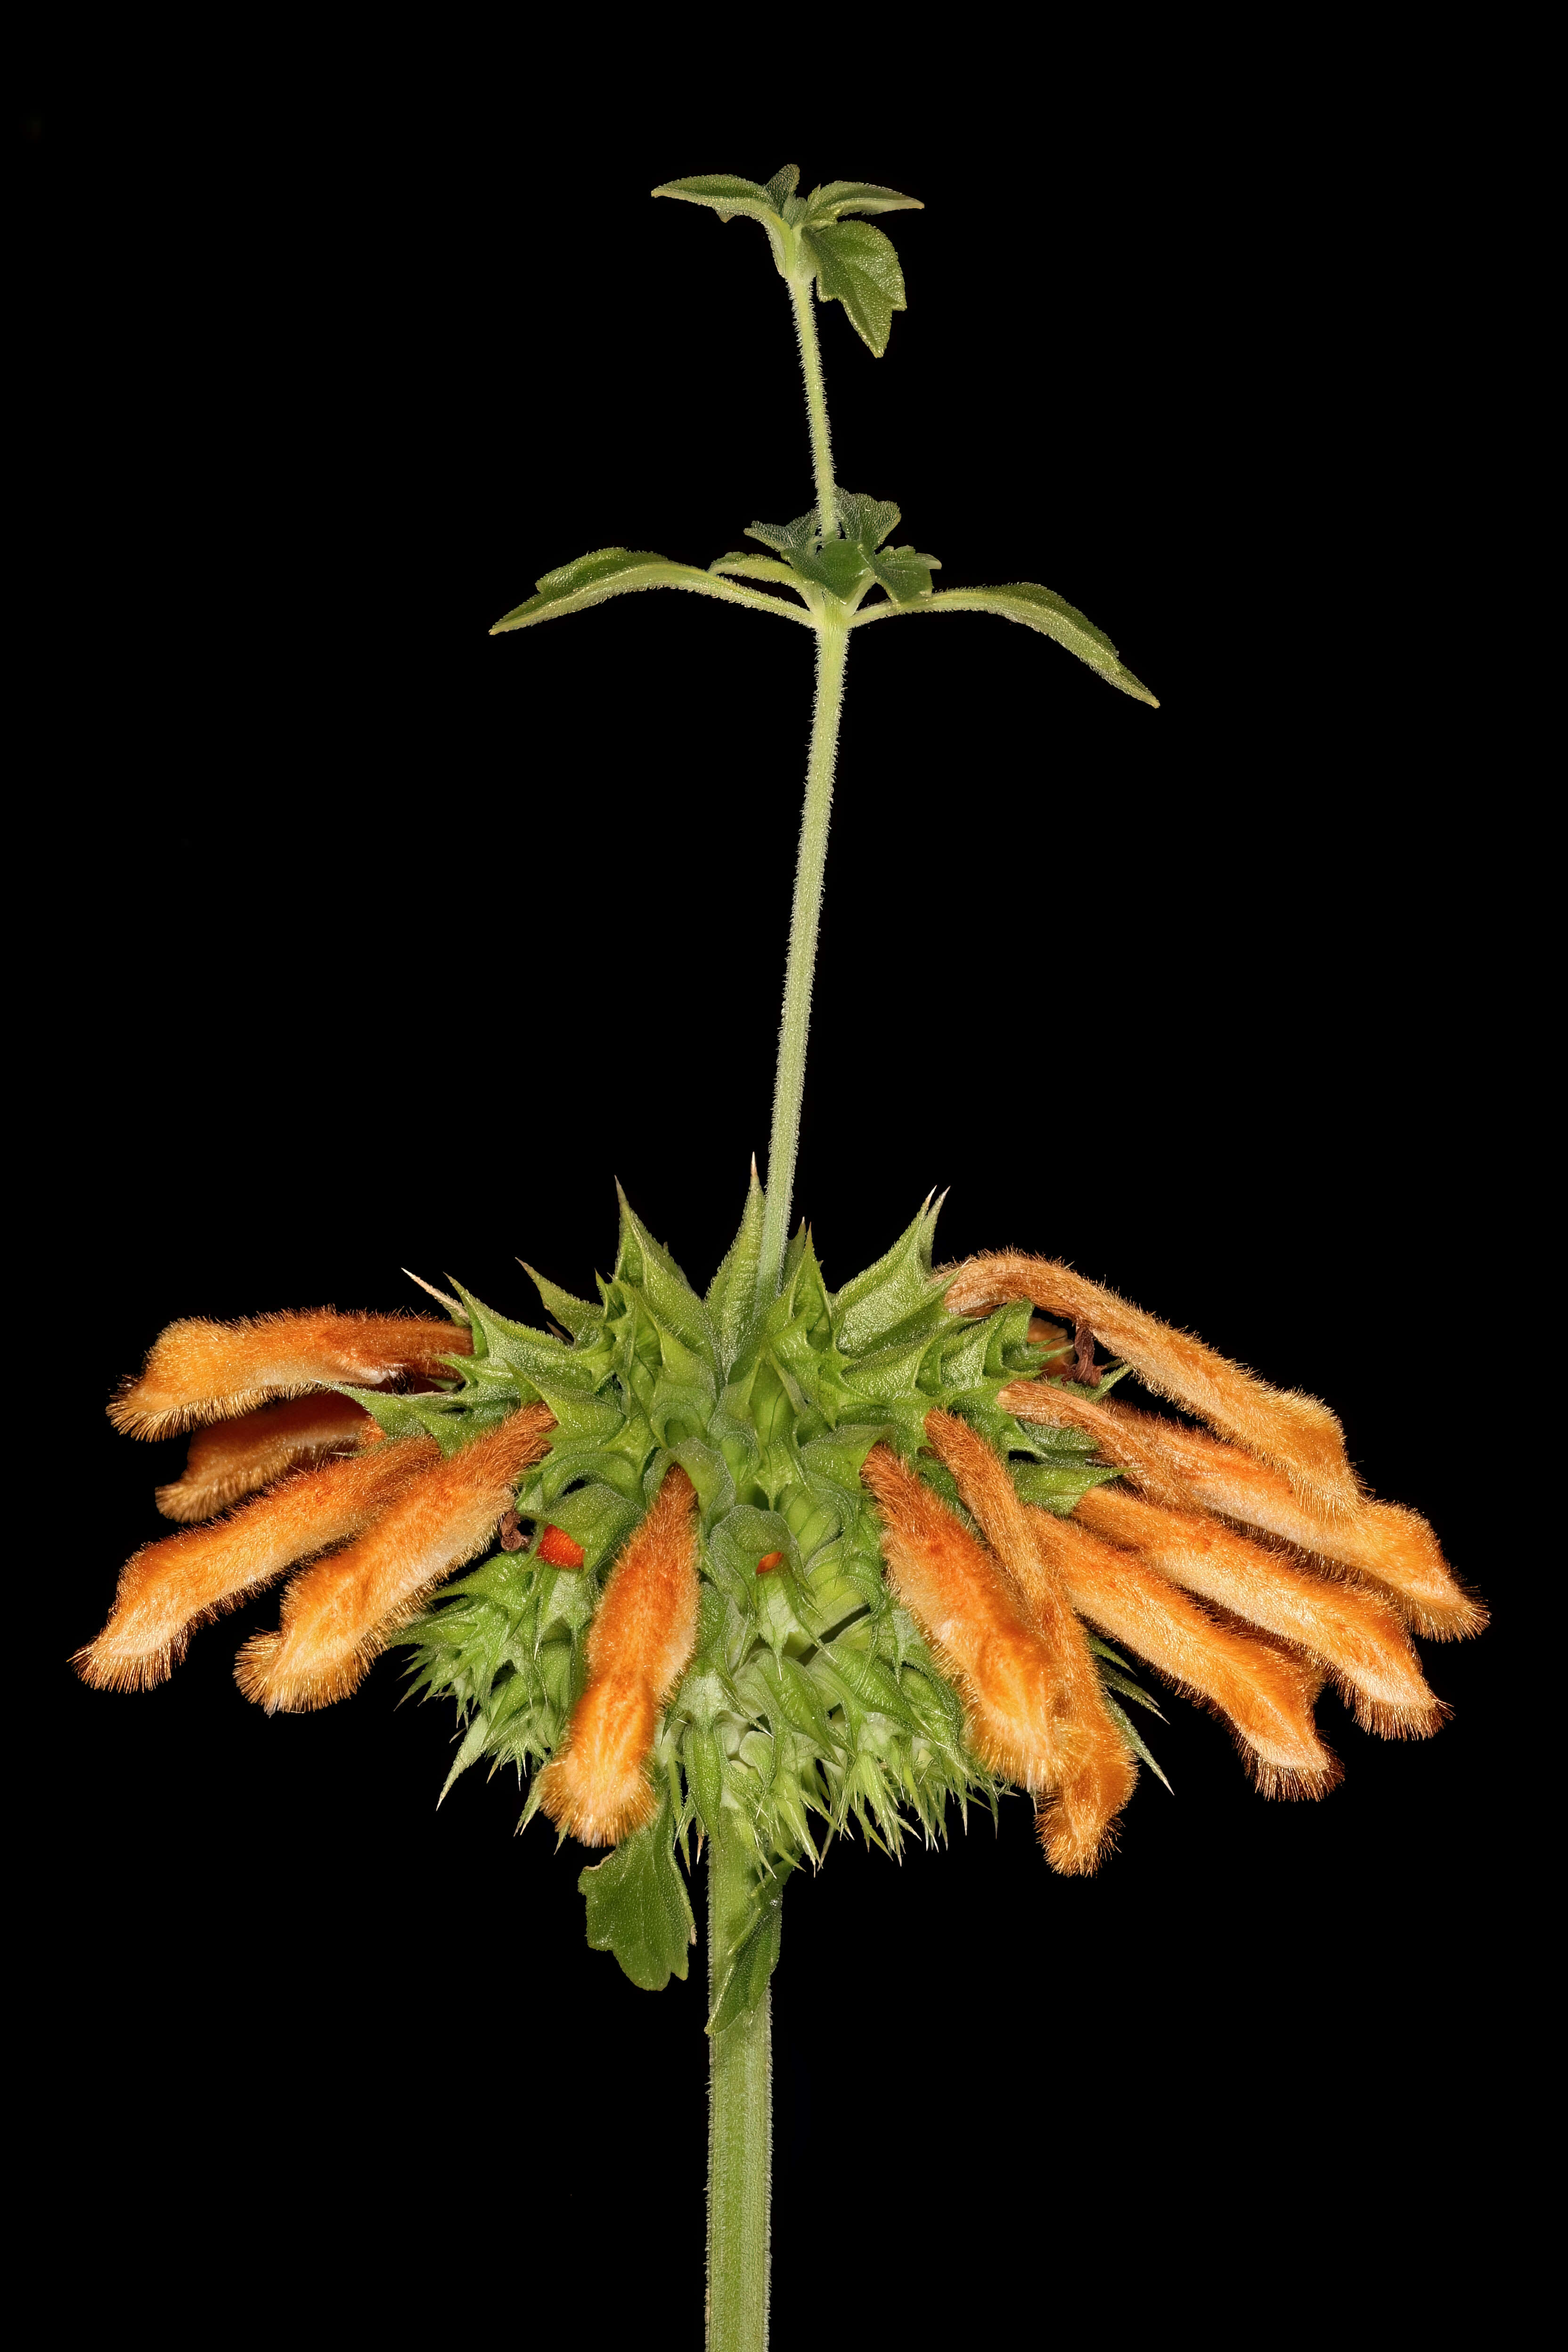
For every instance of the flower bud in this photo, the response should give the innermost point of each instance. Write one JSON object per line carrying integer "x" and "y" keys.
{"x": 200, "y": 1371}
{"x": 1361, "y": 1642}
{"x": 237, "y": 1457}
{"x": 1076, "y": 1825}
{"x": 1295, "y": 1433}
{"x": 168, "y": 1589}
{"x": 597, "y": 1787}
{"x": 338, "y": 1617}
{"x": 1264, "y": 1692}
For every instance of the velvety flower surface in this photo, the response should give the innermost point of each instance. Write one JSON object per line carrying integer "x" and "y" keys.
{"x": 791, "y": 1561}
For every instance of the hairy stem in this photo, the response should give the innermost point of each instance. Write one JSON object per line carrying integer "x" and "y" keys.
{"x": 832, "y": 647}
{"x": 815, "y": 405}
{"x": 739, "y": 2125}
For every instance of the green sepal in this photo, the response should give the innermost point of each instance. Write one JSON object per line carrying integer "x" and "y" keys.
{"x": 639, "y": 1907}
{"x": 855, "y": 264}
{"x": 1058, "y": 1485}
{"x": 576, "y": 1315}
{"x": 642, "y": 1261}
{"x": 1042, "y": 609}
{"x": 1134, "y": 1738}
{"x": 874, "y": 1302}
{"x": 731, "y": 1296}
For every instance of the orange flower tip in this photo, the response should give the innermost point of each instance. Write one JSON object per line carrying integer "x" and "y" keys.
{"x": 557, "y": 1550}
{"x": 769, "y": 1561}
{"x": 597, "y": 1808}
{"x": 202, "y": 1372}
{"x": 286, "y": 1684}
{"x": 107, "y": 1665}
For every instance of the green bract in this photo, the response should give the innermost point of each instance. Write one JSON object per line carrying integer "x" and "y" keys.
{"x": 811, "y": 1700}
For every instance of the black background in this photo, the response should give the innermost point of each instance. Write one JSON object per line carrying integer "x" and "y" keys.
{"x": 374, "y": 943}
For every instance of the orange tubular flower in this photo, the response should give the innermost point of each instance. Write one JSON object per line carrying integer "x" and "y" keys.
{"x": 1264, "y": 1694}
{"x": 1075, "y": 1826}
{"x": 979, "y": 1629}
{"x": 168, "y": 1589}
{"x": 597, "y": 1787}
{"x": 1359, "y": 1639}
{"x": 1295, "y": 1433}
{"x": 338, "y": 1617}
{"x": 1183, "y": 1468}
{"x": 201, "y": 1371}
{"x": 236, "y": 1457}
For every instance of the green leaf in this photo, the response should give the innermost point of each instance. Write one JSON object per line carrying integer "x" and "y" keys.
{"x": 830, "y": 202}
{"x": 783, "y": 184}
{"x": 620, "y": 571}
{"x": 904, "y": 573}
{"x": 639, "y": 1907}
{"x": 741, "y": 566}
{"x": 866, "y": 521}
{"x": 746, "y": 1979}
{"x": 1038, "y": 608}
{"x": 733, "y": 1294}
{"x": 856, "y": 265}
{"x": 725, "y": 193}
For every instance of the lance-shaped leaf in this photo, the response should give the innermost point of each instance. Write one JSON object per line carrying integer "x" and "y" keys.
{"x": 855, "y": 264}
{"x": 1038, "y": 608}
{"x": 726, "y": 193}
{"x": 620, "y": 571}
{"x": 831, "y": 202}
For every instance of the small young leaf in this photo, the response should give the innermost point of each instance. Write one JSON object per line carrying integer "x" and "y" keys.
{"x": 726, "y": 195}
{"x": 783, "y": 184}
{"x": 639, "y": 1907}
{"x": 904, "y": 574}
{"x": 856, "y": 265}
{"x": 840, "y": 196}
{"x": 746, "y": 1979}
{"x": 741, "y": 566}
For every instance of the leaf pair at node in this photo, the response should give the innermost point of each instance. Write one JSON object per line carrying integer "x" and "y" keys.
{"x": 846, "y": 566}
{"x": 849, "y": 261}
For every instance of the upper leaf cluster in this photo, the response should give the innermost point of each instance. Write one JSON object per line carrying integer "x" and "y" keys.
{"x": 815, "y": 240}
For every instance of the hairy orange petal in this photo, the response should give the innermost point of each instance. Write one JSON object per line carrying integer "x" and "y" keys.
{"x": 339, "y": 1616}
{"x": 235, "y": 1457}
{"x": 211, "y": 1371}
{"x": 1075, "y": 1827}
{"x": 1264, "y": 1694}
{"x": 1392, "y": 1546}
{"x": 979, "y": 1628}
{"x": 168, "y": 1589}
{"x": 1359, "y": 1639}
{"x": 1295, "y": 1433}
{"x": 639, "y": 1646}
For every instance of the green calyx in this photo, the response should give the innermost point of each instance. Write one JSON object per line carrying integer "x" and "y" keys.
{"x": 811, "y": 1700}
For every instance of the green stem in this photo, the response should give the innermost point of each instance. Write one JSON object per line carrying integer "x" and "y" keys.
{"x": 739, "y": 2124}
{"x": 832, "y": 647}
{"x": 815, "y": 405}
